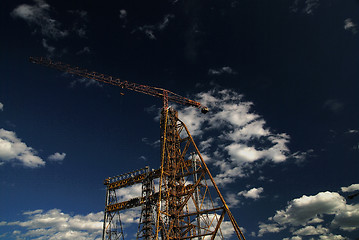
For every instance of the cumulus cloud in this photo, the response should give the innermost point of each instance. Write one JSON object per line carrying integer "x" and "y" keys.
{"x": 253, "y": 193}
{"x": 243, "y": 137}
{"x": 349, "y": 25}
{"x": 54, "y": 224}
{"x": 269, "y": 228}
{"x": 220, "y": 71}
{"x": 13, "y": 150}
{"x": 57, "y": 157}
{"x": 303, "y": 214}
{"x": 150, "y": 30}
{"x": 351, "y": 188}
{"x": 129, "y": 192}
{"x": 301, "y": 210}
{"x": 311, "y": 230}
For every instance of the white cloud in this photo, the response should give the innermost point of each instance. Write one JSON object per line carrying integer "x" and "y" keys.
{"x": 302, "y": 214}
{"x": 226, "y": 227}
{"x": 58, "y": 157}
{"x": 301, "y": 210}
{"x": 311, "y": 230}
{"x": 38, "y": 15}
{"x": 220, "y": 71}
{"x": 352, "y": 131}
{"x": 269, "y": 228}
{"x": 1, "y": 106}
{"x": 293, "y": 238}
{"x": 332, "y": 237}
{"x": 242, "y": 135}
{"x": 56, "y": 225}
{"x": 349, "y": 25}
{"x": 347, "y": 218}
{"x": 351, "y": 188}
{"x": 13, "y": 150}
{"x": 253, "y": 193}
{"x": 232, "y": 200}
{"x": 129, "y": 192}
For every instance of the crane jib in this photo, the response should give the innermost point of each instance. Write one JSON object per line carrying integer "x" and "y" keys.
{"x": 166, "y": 95}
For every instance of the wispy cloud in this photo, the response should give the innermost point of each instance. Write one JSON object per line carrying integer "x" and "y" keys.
{"x": 151, "y": 30}
{"x": 349, "y": 25}
{"x": 38, "y": 17}
{"x": 123, "y": 17}
{"x": 1, "y": 107}
{"x": 79, "y": 25}
{"x": 85, "y": 50}
{"x": 85, "y": 81}
{"x": 305, "y": 6}
{"x": 50, "y": 49}
{"x": 222, "y": 70}
{"x": 313, "y": 212}
{"x": 333, "y": 105}
{"x": 155, "y": 143}
{"x": 13, "y": 150}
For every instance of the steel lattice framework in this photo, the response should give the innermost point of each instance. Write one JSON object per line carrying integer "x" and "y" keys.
{"x": 184, "y": 205}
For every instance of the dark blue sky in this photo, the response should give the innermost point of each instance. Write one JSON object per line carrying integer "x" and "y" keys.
{"x": 280, "y": 78}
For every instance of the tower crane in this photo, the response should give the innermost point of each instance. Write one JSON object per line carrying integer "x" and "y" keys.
{"x": 183, "y": 206}
{"x": 166, "y": 95}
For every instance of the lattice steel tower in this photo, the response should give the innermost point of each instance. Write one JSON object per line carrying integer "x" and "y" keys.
{"x": 185, "y": 204}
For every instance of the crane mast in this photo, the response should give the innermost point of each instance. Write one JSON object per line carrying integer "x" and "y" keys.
{"x": 182, "y": 206}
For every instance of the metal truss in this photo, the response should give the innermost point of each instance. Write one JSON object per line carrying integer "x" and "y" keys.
{"x": 185, "y": 204}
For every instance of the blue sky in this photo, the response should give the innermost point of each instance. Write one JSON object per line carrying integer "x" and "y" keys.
{"x": 279, "y": 77}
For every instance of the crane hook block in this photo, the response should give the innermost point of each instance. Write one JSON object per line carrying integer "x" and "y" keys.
{"x": 205, "y": 110}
